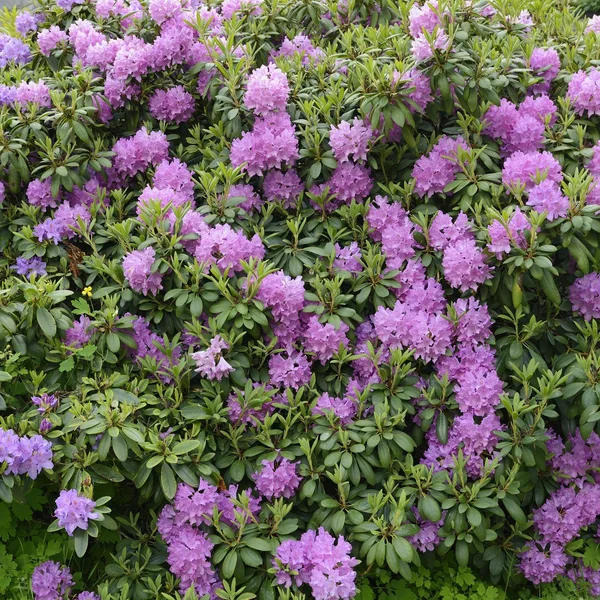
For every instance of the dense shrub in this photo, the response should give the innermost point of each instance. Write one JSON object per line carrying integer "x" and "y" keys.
{"x": 299, "y": 298}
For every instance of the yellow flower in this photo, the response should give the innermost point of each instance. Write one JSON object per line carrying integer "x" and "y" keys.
{"x": 87, "y": 291}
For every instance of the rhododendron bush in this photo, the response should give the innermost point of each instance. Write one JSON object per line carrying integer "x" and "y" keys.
{"x": 294, "y": 292}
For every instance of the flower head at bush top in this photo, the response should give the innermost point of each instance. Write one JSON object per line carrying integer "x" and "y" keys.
{"x": 302, "y": 293}
{"x": 74, "y": 511}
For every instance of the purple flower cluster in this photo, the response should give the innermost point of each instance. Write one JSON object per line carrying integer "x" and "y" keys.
{"x": 45, "y": 402}
{"x": 419, "y": 85}
{"x": 223, "y": 246}
{"x": 557, "y": 522}
{"x": 210, "y": 362}
{"x": 175, "y": 104}
{"x": 585, "y": 296}
{"x": 50, "y": 581}
{"x": 189, "y": 548}
{"x": 137, "y": 153}
{"x": 427, "y": 538}
{"x": 241, "y": 411}
{"x": 80, "y": 332}
{"x": 429, "y": 335}
{"x": 323, "y": 339}
{"x": 26, "y": 22}
{"x": 508, "y": 233}
{"x": 348, "y": 258}
{"x": 593, "y": 24}
{"x": 285, "y": 297}
{"x": 319, "y": 562}
{"x": 543, "y": 563}
{"x": 574, "y": 506}
{"x": 584, "y": 92}
{"x": 283, "y": 187}
{"x": 350, "y": 181}
{"x": 344, "y": 409}
{"x": 271, "y": 143}
{"x": 251, "y": 7}
{"x": 350, "y": 139}
{"x": 580, "y": 459}
{"x": 566, "y": 511}
{"x": 290, "y": 370}
{"x": 65, "y": 223}
{"x": 436, "y": 170}
{"x": 277, "y": 480}
{"x": 463, "y": 261}
{"x": 137, "y": 266}
{"x": 24, "y": 455}
{"x": 528, "y": 169}
{"x": 74, "y": 511}
{"x": 29, "y": 266}
{"x": 425, "y": 21}
{"x": 39, "y": 194}
{"x": 67, "y": 5}
{"x": 13, "y": 50}
{"x": 267, "y": 90}
{"x": 302, "y": 46}
{"x": 520, "y": 129}
{"x": 172, "y": 186}
{"x": 250, "y": 199}
{"x": 148, "y": 345}
{"x": 545, "y": 64}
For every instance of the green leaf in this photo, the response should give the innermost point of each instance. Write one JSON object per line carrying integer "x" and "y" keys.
{"x": 113, "y": 342}
{"x": 473, "y": 516}
{"x": 125, "y": 396}
{"x": 403, "y": 549}
{"x": 237, "y": 470}
{"x": 185, "y": 447}
{"x": 80, "y": 538}
{"x": 514, "y": 510}
{"x": 155, "y": 460}
{"x": 430, "y": 509}
{"x": 5, "y": 493}
{"x": 120, "y": 449}
{"x": 193, "y": 412}
{"x": 229, "y": 564}
{"x": 259, "y": 544}
{"x": 133, "y": 433}
{"x": 107, "y": 473}
{"x": 67, "y": 365}
{"x": 46, "y": 322}
{"x": 462, "y": 553}
{"x": 168, "y": 482}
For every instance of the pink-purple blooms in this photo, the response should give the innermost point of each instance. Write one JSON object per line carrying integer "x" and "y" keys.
{"x": 267, "y": 90}
{"x": 436, "y": 170}
{"x": 51, "y": 581}
{"x": 277, "y": 479}
{"x": 24, "y": 455}
{"x": 74, "y": 511}
{"x": 211, "y": 363}
{"x": 138, "y": 269}
{"x": 585, "y": 296}
{"x": 320, "y": 562}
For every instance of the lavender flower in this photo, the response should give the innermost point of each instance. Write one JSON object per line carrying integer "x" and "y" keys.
{"x": 210, "y": 362}
{"x": 45, "y": 402}
{"x": 74, "y": 511}
{"x": 277, "y": 481}
{"x": 29, "y": 266}
{"x": 316, "y": 560}
{"x": 137, "y": 266}
{"x": 50, "y": 581}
